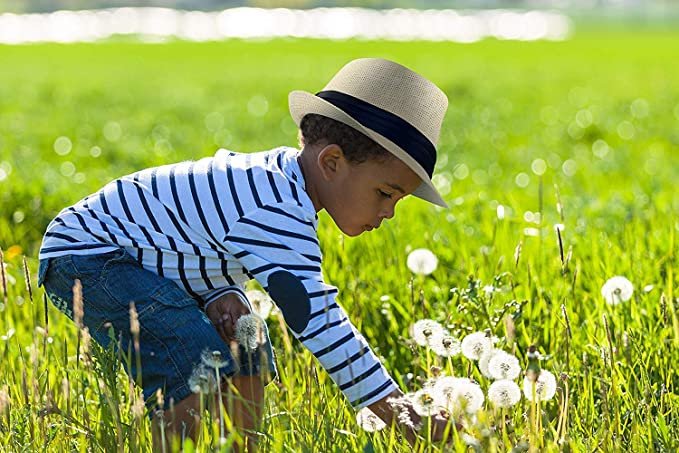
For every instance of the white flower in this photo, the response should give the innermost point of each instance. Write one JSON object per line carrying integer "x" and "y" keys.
{"x": 446, "y": 346}
{"x": 261, "y": 302}
{"x": 422, "y": 261}
{"x": 249, "y": 332}
{"x": 427, "y": 332}
{"x": 475, "y": 345}
{"x": 485, "y": 359}
{"x": 370, "y": 422}
{"x": 504, "y": 393}
{"x": 424, "y": 402}
{"x": 617, "y": 289}
{"x": 213, "y": 359}
{"x": 504, "y": 366}
{"x": 545, "y": 386}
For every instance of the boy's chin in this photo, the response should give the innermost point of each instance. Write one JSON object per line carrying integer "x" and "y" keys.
{"x": 352, "y": 231}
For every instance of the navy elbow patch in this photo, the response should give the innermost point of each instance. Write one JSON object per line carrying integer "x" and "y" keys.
{"x": 291, "y": 297}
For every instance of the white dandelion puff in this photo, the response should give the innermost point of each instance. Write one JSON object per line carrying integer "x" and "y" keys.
{"x": 444, "y": 387}
{"x": 469, "y": 397}
{"x": 485, "y": 359}
{"x": 504, "y": 393}
{"x": 545, "y": 386}
{"x": 202, "y": 380}
{"x": 427, "y": 332}
{"x": 504, "y": 366}
{"x": 617, "y": 289}
{"x": 261, "y": 302}
{"x": 471, "y": 441}
{"x": 424, "y": 402}
{"x": 475, "y": 345}
{"x": 370, "y": 422}
{"x": 446, "y": 346}
{"x": 422, "y": 261}
{"x": 213, "y": 359}
{"x": 249, "y": 331}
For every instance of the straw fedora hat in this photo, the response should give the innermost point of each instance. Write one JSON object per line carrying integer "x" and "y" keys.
{"x": 394, "y": 106}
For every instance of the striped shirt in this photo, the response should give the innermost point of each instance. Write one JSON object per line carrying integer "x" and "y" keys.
{"x": 211, "y": 225}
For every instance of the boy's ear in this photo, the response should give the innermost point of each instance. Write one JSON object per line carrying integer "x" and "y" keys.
{"x": 331, "y": 161}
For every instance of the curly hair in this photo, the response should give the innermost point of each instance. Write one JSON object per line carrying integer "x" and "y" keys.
{"x": 357, "y": 147}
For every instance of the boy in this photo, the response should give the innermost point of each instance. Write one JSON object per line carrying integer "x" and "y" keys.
{"x": 180, "y": 240}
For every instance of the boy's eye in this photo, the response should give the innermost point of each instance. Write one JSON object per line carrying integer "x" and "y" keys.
{"x": 384, "y": 194}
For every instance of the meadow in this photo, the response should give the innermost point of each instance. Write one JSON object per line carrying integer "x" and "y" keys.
{"x": 582, "y": 134}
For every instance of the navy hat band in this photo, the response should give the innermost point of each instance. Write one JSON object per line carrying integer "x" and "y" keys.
{"x": 385, "y": 123}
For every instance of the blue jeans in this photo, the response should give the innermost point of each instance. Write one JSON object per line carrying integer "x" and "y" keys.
{"x": 173, "y": 330}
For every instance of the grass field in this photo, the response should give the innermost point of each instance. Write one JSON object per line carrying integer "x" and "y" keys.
{"x": 583, "y": 133}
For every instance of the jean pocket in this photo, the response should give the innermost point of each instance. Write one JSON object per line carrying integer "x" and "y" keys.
{"x": 170, "y": 294}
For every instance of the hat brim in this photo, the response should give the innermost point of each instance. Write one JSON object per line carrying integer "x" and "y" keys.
{"x": 302, "y": 102}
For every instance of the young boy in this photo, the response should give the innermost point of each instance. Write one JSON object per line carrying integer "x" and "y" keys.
{"x": 180, "y": 240}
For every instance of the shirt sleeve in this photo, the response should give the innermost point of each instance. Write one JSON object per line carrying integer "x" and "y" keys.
{"x": 281, "y": 240}
{"x": 208, "y": 297}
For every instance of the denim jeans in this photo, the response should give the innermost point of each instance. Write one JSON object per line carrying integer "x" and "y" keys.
{"x": 173, "y": 331}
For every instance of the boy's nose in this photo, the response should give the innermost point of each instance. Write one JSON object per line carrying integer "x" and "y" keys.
{"x": 387, "y": 213}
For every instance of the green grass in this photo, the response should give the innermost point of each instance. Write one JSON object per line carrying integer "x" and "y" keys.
{"x": 511, "y": 104}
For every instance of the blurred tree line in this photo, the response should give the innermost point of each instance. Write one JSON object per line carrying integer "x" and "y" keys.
{"x": 37, "y": 6}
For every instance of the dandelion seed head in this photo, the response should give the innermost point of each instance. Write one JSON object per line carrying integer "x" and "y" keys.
{"x": 470, "y": 441}
{"x": 261, "y": 302}
{"x": 504, "y": 366}
{"x": 422, "y": 261}
{"x": 427, "y": 332}
{"x": 444, "y": 387}
{"x": 467, "y": 396}
{"x": 249, "y": 331}
{"x": 484, "y": 360}
{"x": 545, "y": 386}
{"x": 370, "y": 422}
{"x": 213, "y": 359}
{"x": 424, "y": 402}
{"x": 475, "y": 345}
{"x": 504, "y": 393}
{"x": 617, "y": 289}
{"x": 446, "y": 346}
{"x": 202, "y": 380}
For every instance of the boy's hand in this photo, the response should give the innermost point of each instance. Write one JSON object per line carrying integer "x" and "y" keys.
{"x": 388, "y": 411}
{"x": 225, "y": 312}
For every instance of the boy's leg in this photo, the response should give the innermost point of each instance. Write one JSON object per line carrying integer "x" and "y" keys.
{"x": 246, "y": 405}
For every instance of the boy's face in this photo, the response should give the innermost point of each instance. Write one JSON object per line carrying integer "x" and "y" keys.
{"x": 360, "y": 196}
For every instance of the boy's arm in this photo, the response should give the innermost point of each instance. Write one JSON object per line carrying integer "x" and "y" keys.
{"x": 278, "y": 247}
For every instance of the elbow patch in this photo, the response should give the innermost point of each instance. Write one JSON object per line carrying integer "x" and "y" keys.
{"x": 291, "y": 297}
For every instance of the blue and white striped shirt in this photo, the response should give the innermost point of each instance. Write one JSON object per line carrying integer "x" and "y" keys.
{"x": 212, "y": 224}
